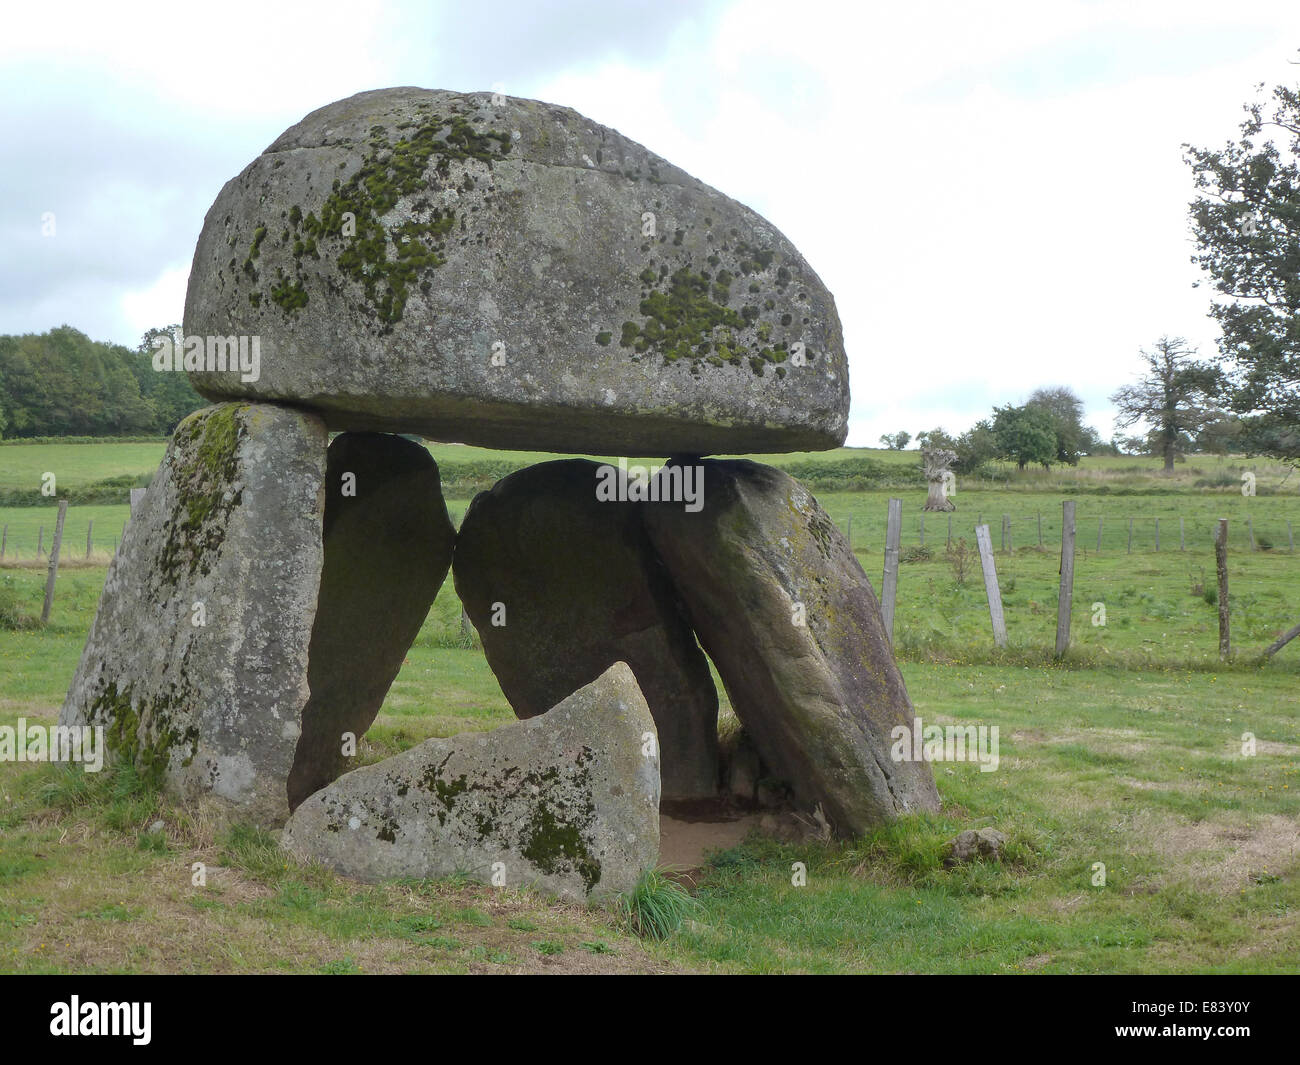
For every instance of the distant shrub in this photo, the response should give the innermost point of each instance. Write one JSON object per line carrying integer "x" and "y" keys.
{"x": 33, "y": 440}
{"x": 109, "y": 491}
{"x": 915, "y": 553}
{"x": 857, "y": 474}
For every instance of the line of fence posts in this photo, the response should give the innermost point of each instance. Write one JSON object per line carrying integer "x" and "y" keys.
{"x": 1065, "y": 598}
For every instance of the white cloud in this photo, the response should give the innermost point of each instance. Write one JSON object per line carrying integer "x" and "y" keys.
{"x": 161, "y": 303}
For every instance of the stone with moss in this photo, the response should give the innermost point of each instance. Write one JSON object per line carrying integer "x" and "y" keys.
{"x": 196, "y": 662}
{"x": 781, "y": 605}
{"x": 566, "y": 802}
{"x": 513, "y": 275}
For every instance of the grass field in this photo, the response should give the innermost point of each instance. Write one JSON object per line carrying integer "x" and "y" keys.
{"x": 1130, "y": 754}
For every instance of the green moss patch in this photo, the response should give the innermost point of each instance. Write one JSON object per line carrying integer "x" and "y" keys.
{"x": 205, "y": 466}
{"x": 688, "y": 315}
{"x": 384, "y": 263}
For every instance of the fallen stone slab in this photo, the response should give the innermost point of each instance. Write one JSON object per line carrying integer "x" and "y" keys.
{"x": 560, "y": 584}
{"x": 781, "y": 605}
{"x": 196, "y": 662}
{"x": 567, "y": 802}
{"x": 509, "y": 273}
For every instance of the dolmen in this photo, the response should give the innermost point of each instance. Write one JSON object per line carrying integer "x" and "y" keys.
{"x": 506, "y": 273}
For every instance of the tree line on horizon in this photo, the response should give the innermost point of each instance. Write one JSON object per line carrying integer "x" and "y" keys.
{"x": 1177, "y": 396}
{"x": 62, "y": 383}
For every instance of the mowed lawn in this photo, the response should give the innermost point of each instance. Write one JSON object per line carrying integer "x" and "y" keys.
{"x": 1141, "y": 758}
{"x": 1143, "y": 773}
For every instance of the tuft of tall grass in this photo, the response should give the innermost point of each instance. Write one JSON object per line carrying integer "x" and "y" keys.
{"x": 656, "y": 907}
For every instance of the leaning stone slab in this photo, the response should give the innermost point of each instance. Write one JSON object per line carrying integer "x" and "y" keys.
{"x": 196, "y": 662}
{"x": 567, "y": 802}
{"x": 782, "y": 607}
{"x": 388, "y": 545}
{"x": 561, "y": 584}
{"x": 511, "y": 274}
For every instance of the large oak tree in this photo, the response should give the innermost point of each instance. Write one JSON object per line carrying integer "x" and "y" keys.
{"x": 1246, "y": 221}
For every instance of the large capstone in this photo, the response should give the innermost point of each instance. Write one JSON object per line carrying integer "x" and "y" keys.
{"x": 567, "y": 802}
{"x": 560, "y": 581}
{"x": 196, "y": 663}
{"x": 508, "y": 273}
{"x": 783, "y": 608}
{"x": 388, "y": 546}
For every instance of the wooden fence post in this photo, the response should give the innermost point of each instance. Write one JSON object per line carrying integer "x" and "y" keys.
{"x": 1157, "y": 536}
{"x": 1099, "y": 523}
{"x": 889, "y": 590}
{"x": 4, "y": 542}
{"x": 1182, "y": 535}
{"x": 90, "y": 529}
{"x": 1040, "y": 528}
{"x": 1066, "y": 595}
{"x": 1221, "y": 563}
{"x": 991, "y": 588}
{"x": 850, "y": 532}
{"x": 1250, "y": 524}
{"x": 1281, "y": 641}
{"x": 54, "y": 562}
{"x": 40, "y": 541}
{"x": 1130, "y": 536}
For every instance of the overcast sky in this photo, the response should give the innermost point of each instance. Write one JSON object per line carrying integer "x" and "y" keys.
{"x": 994, "y": 192}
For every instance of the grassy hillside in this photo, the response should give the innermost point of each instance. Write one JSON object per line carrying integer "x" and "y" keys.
{"x": 1128, "y": 754}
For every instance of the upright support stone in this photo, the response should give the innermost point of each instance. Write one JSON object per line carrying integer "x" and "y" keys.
{"x": 388, "y": 543}
{"x": 196, "y": 662}
{"x": 792, "y": 624}
{"x": 558, "y": 575}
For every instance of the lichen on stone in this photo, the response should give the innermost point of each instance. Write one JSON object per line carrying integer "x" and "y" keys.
{"x": 146, "y": 735}
{"x": 385, "y": 263}
{"x": 205, "y": 468}
{"x": 688, "y": 317}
